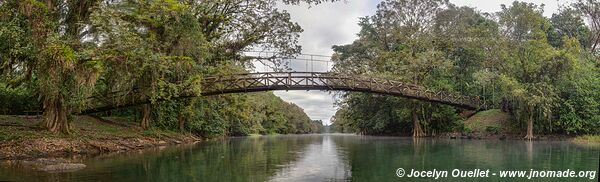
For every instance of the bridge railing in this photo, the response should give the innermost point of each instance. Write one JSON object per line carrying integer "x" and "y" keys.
{"x": 321, "y": 64}
{"x": 264, "y": 61}
{"x": 328, "y": 81}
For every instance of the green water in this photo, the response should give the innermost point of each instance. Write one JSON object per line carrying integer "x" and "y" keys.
{"x": 325, "y": 158}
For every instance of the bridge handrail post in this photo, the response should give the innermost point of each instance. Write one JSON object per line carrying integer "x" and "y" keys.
{"x": 312, "y": 64}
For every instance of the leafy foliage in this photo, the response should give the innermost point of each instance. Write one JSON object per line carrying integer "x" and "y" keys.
{"x": 540, "y": 70}
{"x": 151, "y": 51}
{"x": 57, "y": 54}
{"x": 235, "y": 115}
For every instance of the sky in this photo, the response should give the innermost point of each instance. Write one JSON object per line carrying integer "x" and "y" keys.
{"x": 336, "y": 23}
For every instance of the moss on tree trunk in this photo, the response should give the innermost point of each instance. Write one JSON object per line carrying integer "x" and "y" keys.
{"x": 417, "y": 129}
{"x": 529, "y": 135}
{"x": 55, "y": 115}
{"x": 181, "y": 120}
{"x": 146, "y": 116}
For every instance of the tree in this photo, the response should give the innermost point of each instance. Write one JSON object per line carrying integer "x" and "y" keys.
{"x": 51, "y": 48}
{"x": 579, "y": 111}
{"x": 341, "y": 122}
{"x": 517, "y": 59}
{"x": 153, "y": 48}
{"x": 568, "y": 23}
{"x": 132, "y": 46}
{"x": 532, "y": 69}
{"x": 591, "y": 10}
{"x": 396, "y": 42}
{"x": 195, "y": 38}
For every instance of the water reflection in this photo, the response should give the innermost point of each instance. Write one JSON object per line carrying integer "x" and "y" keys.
{"x": 320, "y": 161}
{"x": 320, "y": 158}
{"x": 236, "y": 159}
{"x": 376, "y": 158}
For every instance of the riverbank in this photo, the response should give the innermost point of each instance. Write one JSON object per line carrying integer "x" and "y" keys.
{"x": 588, "y": 139}
{"x": 22, "y": 138}
{"x": 326, "y": 157}
{"x": 496, "y": 125}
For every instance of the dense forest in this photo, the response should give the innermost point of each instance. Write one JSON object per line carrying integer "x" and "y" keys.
{"x": 229, "y": 115}
{"x": 544, "y": 71}
{"x": 55, "y": 55}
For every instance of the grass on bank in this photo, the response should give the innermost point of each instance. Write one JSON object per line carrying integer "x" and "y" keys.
{"x": 588, "y": 139}
{"x": 17, "y": 128}
{"x": 490, "y": 121}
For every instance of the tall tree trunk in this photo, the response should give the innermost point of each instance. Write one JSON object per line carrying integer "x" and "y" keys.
{"x": 417, "y": 130}
{"x": 55, "y": 115}
{"x": 529, "y": 135}
{"x": 146, "y": 116}
{"x": 181, "y": 120}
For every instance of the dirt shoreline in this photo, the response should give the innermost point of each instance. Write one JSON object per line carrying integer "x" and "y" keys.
{"x": 21, "y": 138}
{"x": 58, "y": 147}
{"x": 57, "y": 156}
{"x": 502, "y": 136}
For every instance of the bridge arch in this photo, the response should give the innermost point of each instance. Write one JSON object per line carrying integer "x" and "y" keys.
{"x": 267, "y": 81}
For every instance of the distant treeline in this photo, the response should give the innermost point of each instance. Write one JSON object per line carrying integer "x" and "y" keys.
{"x": 228, "y": 115}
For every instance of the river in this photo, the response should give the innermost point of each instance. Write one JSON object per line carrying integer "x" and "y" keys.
{"x": 326, "y": 157}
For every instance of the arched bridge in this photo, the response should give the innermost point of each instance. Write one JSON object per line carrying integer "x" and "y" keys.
{"x": 255, "y": 82}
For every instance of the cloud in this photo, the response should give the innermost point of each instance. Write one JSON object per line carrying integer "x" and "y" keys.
{"x": 324, "y": 25}
{"x": 317, "y": 104}
{"x": 329, "y": 23}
